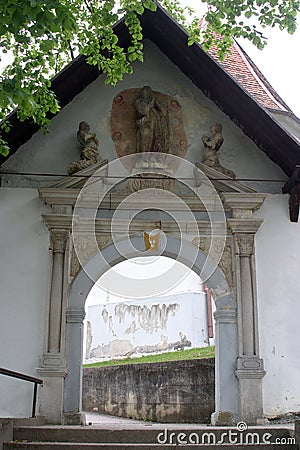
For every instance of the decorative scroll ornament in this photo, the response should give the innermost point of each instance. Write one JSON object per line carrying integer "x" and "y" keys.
{"x": 87, "y": 247}
{"x": 220, "y": 254}
{"x": 155, "y": 175}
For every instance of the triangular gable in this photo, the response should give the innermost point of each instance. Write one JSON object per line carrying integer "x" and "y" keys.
{"x": 203, "y": 71}
{"x": 78, "y": 179}
{"x": 222, "y": 182}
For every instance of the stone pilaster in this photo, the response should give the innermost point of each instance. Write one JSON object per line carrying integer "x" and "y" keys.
{"x": 245, "y": 248}
{"x": 59, "y": 239}
{"x": 250, "y": 369}
{"x": 73, "y": 389}
{"x": 53, "y": 366}
{"x": 226, "y": 403}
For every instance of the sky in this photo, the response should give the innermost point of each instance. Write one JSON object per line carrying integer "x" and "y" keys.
{"x": 280, "y": 65}
{"x": 279, "y": 61}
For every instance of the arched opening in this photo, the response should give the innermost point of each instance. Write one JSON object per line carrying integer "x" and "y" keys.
{"x": 124, "y": 326}
{"x": 124, "y": 334}
{"x": 226, "y": 328}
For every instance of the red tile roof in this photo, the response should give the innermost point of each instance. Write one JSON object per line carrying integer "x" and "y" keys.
{"x": 238, "y": 64}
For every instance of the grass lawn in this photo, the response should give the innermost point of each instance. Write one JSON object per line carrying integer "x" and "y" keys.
{"x": 194, "y": 353}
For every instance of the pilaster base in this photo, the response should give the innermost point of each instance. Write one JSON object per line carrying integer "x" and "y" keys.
{"x": 250, "y": 373}
{"x": 74, "y": 418}
{"x": 223, "y": 418}
{"x": 51, "y": 394}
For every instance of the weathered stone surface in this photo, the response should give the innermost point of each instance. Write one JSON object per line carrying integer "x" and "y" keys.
{"x": 176, "y": 391}
{"x": 124, "y": 129}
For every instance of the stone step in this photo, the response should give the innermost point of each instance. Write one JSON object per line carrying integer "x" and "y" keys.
{"x": 115, "y": 446}
{"x": 148, "y": 434}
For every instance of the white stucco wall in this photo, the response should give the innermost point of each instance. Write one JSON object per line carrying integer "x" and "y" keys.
{"x": 278, "y": 281}
{"x": 52, "y": 153}
{"x": 151, "y": 325}
{"x": 24, "y": 250}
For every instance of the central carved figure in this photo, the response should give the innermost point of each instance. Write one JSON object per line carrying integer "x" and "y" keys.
{"x": 152, "y": 123}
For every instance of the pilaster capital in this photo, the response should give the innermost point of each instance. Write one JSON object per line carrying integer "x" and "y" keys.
{"x": 59, "y": 239}
{"x": 244, "y": 244}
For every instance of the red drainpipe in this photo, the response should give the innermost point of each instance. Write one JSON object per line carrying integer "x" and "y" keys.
{"x": 209, "y": 313}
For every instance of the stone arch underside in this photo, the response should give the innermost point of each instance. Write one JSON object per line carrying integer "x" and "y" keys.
{"x": 226, "y": 320}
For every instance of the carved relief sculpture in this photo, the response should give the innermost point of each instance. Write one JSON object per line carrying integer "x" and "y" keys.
{"x": 148, "y": 125}
{"x": 152, "y": 123}
{"x": 87, "y": 247}
{"x": 143, "y": 120}
{"x": 89, "y": 149}
{"x": 219, "y": 252}
{"x": 212, "y": 145}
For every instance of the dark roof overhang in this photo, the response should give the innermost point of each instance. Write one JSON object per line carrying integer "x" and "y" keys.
{"x": 159, "y": 27}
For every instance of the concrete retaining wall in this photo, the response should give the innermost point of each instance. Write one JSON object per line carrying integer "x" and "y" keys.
{"x": 176, "y": 391}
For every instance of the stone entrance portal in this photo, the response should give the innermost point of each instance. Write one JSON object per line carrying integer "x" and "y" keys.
{"x": 88, "y": 238}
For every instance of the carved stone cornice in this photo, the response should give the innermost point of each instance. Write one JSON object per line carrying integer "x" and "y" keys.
{"x": 243, "y": 205}
{"x": 120, "y": 226}
{"x": 103, "y": 200}
{"x": 244, "y": 225}
{"x": 244, "y": 244}
{"x": 56, "y": 196}
{"x": 58, "y": 221}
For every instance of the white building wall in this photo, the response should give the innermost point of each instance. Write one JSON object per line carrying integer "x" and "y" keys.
{"x": 24, "y": 272}
{"x": 146, "y": 326}
{"x": 278, "y": 282}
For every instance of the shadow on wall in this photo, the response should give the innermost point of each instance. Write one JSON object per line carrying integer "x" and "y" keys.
{"x": 174, "y": 391}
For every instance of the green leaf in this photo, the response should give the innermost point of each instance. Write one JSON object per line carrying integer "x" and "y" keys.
{"x": 4, "y": 149}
